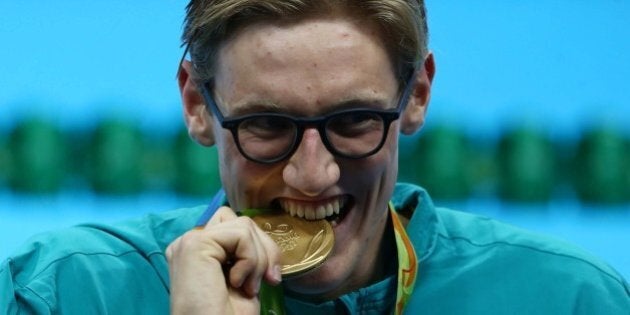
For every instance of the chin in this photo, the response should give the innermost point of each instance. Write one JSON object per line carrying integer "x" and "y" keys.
{"x": 326, "y": 282}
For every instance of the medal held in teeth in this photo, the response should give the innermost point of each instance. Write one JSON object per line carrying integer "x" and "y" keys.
{"x": 305, "y": 244}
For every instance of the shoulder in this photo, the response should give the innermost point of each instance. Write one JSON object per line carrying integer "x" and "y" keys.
{"x": 480, "y": 259}
{"x": 474, "y": 263}
{"x": 148, "y": 235}
{"x": 88, "y": 260}
{"x": 470, "y": 234}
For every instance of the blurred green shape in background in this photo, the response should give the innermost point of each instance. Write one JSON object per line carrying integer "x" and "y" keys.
{"x": 526, "y": 164}
{"x": 523, "y": 166}
{"x": 196, "y": 167}
{"x": 115, "y": 156}
{"x": 37, "y": 157}
{"x": 440, "y": 161}
{"x": 601, "y": 171}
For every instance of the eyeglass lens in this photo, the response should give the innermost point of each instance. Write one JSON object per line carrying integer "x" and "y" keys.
{"x": 351, "y": 134}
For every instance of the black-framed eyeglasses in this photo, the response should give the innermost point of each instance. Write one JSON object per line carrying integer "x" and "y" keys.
{"x": 272, "y": 137}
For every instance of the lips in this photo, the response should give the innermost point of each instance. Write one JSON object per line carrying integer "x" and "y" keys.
{"x": 329, "y": 209}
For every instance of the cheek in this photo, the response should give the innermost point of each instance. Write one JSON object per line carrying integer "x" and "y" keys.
{"x": 389, "y": 157}
{"x": 235, "y": 180}
{"x": 231, "y": 167}
{"x": 246, "y": 183}
{"x": 382, "y": 166}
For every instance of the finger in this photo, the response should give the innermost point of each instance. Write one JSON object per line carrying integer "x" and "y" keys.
{"x": 195, "y": 280}
{"x": 273, "y": 273}
{"x": 268, "y": 265}
{"x": 251, "y": 251}
{"x": 235, "y": 241}
{"x": 223, "y": 214}
{"x": 249, "y": 272}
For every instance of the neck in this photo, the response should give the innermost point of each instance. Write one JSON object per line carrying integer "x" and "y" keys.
{"x": 386, "y": 266}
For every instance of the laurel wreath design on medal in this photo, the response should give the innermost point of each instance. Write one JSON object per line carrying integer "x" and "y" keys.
{"x": 304, "y": 244}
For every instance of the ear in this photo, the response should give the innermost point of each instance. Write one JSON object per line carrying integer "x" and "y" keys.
{"x": 413, "y": 116}
{"x": 198, "y": 121}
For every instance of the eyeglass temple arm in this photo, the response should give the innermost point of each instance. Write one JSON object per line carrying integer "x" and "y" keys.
{"x": 209, "y": 100}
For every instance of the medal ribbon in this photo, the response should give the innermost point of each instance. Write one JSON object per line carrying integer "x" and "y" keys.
{"x": 407, "y": 263}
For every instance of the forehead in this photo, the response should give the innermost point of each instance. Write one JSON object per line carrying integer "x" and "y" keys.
{"x": 310, "y": 62}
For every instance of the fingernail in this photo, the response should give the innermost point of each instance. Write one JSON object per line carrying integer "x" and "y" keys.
{"x": 277, "y": 274}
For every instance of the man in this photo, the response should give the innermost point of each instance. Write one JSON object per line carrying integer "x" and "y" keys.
{"x": 305, "y": 101}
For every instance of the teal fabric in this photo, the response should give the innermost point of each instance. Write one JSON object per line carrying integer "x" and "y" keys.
{"x": 378, "y": 298}
{"x": 468, "y": 265}
{"x": 95, "y": 269}
{"x": 475, "y": 265}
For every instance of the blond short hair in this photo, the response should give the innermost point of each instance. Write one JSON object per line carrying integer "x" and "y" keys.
{"x": 209, "y": 23}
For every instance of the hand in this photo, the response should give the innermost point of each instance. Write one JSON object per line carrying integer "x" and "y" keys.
{"x": 218, "y": 269}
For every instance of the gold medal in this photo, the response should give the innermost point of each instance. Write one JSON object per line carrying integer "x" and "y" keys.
{"x": 305, "y": 244}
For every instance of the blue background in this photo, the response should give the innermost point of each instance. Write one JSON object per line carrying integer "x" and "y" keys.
{"x": 559, "y": 65}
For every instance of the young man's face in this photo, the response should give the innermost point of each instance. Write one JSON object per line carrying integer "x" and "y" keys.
{"x": 311, "y": 68}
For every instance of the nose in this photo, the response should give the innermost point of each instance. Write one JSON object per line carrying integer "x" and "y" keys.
{"x": 312, "y": 168}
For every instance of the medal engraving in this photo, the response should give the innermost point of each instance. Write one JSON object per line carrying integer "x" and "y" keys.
{"x": 304, "y": 244}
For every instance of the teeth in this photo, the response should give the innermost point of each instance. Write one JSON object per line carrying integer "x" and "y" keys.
{"x": 312, "y": 212}
{"x": 330, "y": 210}
{"x": 321, "y": 212}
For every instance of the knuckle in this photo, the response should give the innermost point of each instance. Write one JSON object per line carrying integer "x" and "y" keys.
{"x": 172, "y": 249}
{"x": 187, "y": 239}
{"x": 247, "y": 222}
{"x": 169, "y": 252}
